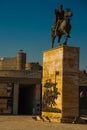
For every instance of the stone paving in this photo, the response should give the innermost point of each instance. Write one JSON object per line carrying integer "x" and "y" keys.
{"x": 28, "y": 123}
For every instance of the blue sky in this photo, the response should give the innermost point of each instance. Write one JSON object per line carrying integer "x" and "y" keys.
{"x": 26, "y": 24}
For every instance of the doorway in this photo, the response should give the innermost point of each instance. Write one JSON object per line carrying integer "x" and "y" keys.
{"x": 26, "y": 99}
{"x": 83, "y": 100}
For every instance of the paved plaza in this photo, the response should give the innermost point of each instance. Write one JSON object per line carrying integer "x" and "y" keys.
{"x": 27, "y": 123}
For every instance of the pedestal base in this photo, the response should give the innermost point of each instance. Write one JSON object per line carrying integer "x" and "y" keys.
{"x": 56, "y": 117}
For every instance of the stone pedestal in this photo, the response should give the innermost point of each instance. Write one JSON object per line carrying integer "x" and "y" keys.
{"x": 60, "y": 83}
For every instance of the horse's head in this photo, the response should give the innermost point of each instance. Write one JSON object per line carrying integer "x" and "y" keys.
{"x": 68, "y": 13}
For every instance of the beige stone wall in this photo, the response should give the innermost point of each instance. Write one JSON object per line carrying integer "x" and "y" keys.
{"x": 5, "y": 102}
{"x": 83, "y": 78}
{"x": 33, "y": 66}
{"x": 21, "y": 74}
{"x": 18, "y": 63}
{"x": 8, "y": 63}
{"x": 61, "y": 66}
{"x": 13, "y": 63}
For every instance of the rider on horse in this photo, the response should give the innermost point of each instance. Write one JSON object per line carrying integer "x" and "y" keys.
{"x": 62, "y": 25}
{"x": 59, "y": 16}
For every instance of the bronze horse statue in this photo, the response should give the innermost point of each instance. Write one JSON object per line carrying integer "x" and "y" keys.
{"x": 62, "y": 29}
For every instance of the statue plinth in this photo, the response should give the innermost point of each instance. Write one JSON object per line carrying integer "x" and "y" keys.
{"x": 60, "y": 83}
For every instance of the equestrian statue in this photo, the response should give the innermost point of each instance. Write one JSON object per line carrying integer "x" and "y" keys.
{"x": 61, "y": 25}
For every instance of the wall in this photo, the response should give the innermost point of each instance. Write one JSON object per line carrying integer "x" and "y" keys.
{"x": 8, "y": 63}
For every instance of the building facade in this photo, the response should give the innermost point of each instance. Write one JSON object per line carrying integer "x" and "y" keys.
{"x": 20, "y": 86}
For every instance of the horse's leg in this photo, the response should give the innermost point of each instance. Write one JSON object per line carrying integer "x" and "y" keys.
{"x": 59, "y": 37}
{"x": 65, "y": 42}
{"x": 65, "y": 32}
{"x": 53, "y": 38}
{"x": 52, "y": 44}
{"x": 53, "y": 35}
